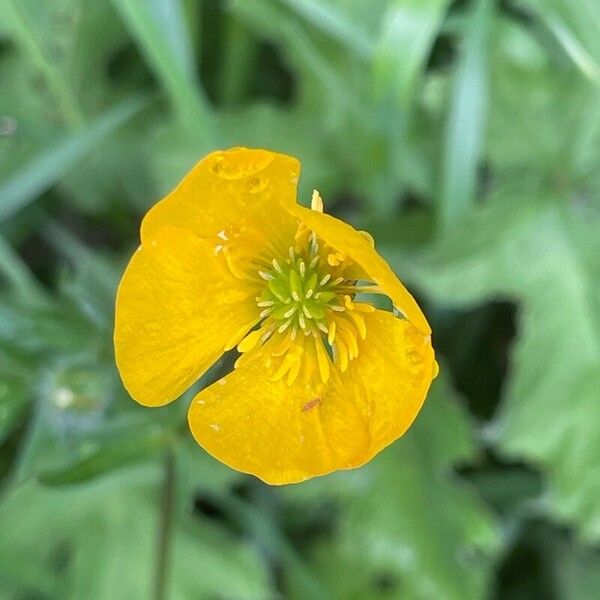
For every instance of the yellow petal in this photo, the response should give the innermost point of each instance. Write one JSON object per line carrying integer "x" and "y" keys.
{"x": 177, "y": 307}
{"x": 285, "y": 434}
{"x": 228, "y": 188}
{"x": 358, "y": 248}
{"x": 390, "y": 377}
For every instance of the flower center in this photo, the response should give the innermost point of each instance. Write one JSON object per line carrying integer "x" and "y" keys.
{"x": 299, "y": 293}
{"x": 308, "y": 310}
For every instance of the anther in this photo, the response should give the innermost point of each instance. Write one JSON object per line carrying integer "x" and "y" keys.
{"x": 309, "y": 293}
{"x": 266, "y": 312}
{"x": 302, "y": 268}
{"x": 292, "y": 253}
{"x": 301, "y": 321}
{"x": 338, "y": 281}
{"x": 325, "y": 279}
{"x": 338, "y": 308}
{"x": 306, "y": 312}
{"x": 266, "y": 276}
{"x": 222, "y": 235}
{"x": 283, "y": 327}
{"x": 264, "y": 303}
{"x": 314, "y": 261}
{"x": 295, "y": 297}
{"x": 290, "y": 312}
{"x": 277, "y": 267}
{"x": 322, "y": 327}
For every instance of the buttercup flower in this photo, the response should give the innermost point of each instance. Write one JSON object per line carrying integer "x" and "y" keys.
{"x": 324, "y": 379}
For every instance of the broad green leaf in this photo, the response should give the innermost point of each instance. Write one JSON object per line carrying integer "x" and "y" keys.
{"x": 105, "y": 534}
{"x": 50, "y": 165}
{"x": 542, "y": 254}
{"x": 115, "y": 453}
{"x": 392, "y": 526}
{"x": 466, "y": 119}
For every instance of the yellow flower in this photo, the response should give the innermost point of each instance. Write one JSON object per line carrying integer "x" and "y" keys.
{"x": 324, "y": 380}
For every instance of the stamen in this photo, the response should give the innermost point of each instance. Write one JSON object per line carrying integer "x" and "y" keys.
{"x": 309, "y": 293}
{"x": 337, "y": 308}
{"x": 338, "y": 280}
{"x": 290, "y": 312}
{"x": 263, "y": 303}
{"x": 277, "y": 267}
{"x": 292, "y": 253}
{"x": 325, "y": 279}
{"x": 302, "y": 268}
{"x": 301, "y": 321}
{"x": 295, "y": 297}
{"x": 322, "y": 327}
{"x": 266, "y": 312}
{"x": 266, "y": 276}
{"x": 314, "y": 262}
{"x": 222, "y": 235}
{"x": 306, "y": 312}
{"x": 283, "y": 327}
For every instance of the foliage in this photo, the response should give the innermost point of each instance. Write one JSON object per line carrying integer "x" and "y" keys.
{"x": 464, "y": 136}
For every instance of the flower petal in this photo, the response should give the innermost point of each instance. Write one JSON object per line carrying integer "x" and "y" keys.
{"x": 357, "y": 247}
{"x": 390, "y": 378}
{"x": 225, "y": 188}
{"x": 177, "y": 308}
{"x": 285, "y": 434}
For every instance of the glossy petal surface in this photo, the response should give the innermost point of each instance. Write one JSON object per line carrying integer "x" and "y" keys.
{"x": 285, "y": 434}
{"x": 177, "y": 308}
{"x": 227, "y": 189}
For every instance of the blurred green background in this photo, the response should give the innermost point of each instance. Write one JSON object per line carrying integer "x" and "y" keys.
{"x": 465, "y": 135}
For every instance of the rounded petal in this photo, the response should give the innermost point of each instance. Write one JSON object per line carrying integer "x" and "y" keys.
{"x": 285, "y": 434}
{"x": 390, "y": 377}
{"x": 225, "y": 188}
{"x": 177, "y": 308}
{"x": 357, "y": 247}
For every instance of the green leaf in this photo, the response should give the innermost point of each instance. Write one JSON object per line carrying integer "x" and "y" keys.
{"x": 408, "y": 31}
{"x": 575, "y": 26}
{"x": 113, "y": 454}
{"x": 100, "y": 542}
{"x": 50, "y": 165}
{"x": 543, "y": 255}
{"x": 24, "y": 19}
{"x": 466, "y": 119}
{"x": 331, "y": 19}
{"x": 160, "y": 30}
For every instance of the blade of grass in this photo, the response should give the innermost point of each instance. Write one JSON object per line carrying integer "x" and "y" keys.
{"x": 18, "y": 274}
{"x": 466, "y": 119}
{"x": 405, "y": 41}
{"x": 170, "y": 58}
{"x": 575, "y": 50}
{"x": 53, "y": 163}
{"x": 26, "y": 37}
{"x": 331, "y": 22}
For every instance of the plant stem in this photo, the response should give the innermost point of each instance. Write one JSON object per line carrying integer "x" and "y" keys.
{"x": 165, "y": 531}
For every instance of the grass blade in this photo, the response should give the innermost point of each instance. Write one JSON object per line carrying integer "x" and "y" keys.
{"x": 50, "y": 165}
{"x": 169, "y": 57}
{"x": 332, "y": 23}
{"x": 466, "y": 119}
{"x": 407, "y": 35}
{"x": 19, "y": 22}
